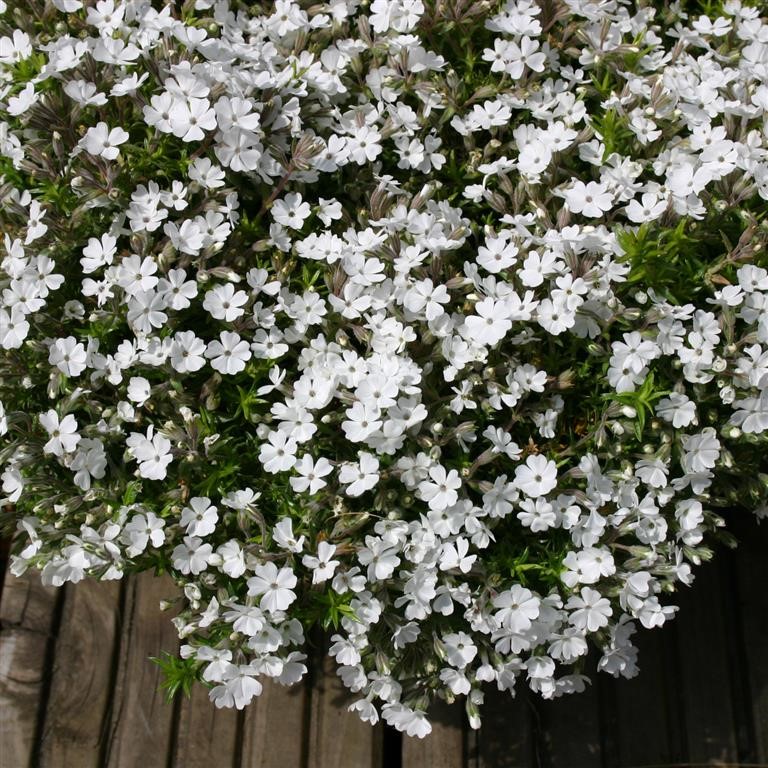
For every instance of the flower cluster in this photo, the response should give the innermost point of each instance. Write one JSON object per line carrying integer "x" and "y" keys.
{"x": 440, "y": 324}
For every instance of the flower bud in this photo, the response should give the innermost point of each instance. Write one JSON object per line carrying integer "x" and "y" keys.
{"x": 192, "y": 592}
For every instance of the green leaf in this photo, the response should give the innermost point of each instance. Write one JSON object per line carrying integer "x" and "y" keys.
{"x": 178, "y": 674}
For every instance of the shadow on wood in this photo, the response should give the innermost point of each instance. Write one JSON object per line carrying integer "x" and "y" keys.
{"x": 77, "y": 690}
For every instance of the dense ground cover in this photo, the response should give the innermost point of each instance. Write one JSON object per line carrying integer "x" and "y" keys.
{"x": 439, "y": 324}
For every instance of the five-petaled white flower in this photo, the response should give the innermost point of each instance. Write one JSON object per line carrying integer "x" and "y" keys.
{"x": 361, "y": 475}
{"x": 441, "y": 490}
{"x": 152, "y": 451}
{"x": 537, "y": 477}
{"x": 63, "y": 433}
{"x": 229, "y": 354}
{"x": 274, "y": 586}
{"x": 100, "y": 141}
{"x": 322, "y": 565}
{"x": 278, "y": 453}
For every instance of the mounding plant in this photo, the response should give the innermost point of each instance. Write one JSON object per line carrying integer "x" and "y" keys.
{"x": 439, "y": 324}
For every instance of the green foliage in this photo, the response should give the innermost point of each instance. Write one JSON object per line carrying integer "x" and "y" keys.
{"x": 613, "y": 129}
{"x": 531, "y": 560}
{"x": 642, "y": 401}
{"x": 178, "y": 675}
{"x": 326, "y": 608}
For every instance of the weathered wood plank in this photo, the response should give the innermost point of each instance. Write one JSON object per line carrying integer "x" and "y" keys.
{"x": 704, "y": 670}
{"x": 444, "y": 747}
{"x": 505, "y": 738}
{"x": 337, "y": 737}
{"x": 140, "y": 726}
{"x": 644, "y": 715}
{"x": 206, "y": 736}
{"x": 27, "y": 604}
{"x": 274, "y": 728}
{"x": 751, "y": 581}
{"x": 569, "y": 728}
{"x": 28, "y": 618}
{"x": 81, "y": 676}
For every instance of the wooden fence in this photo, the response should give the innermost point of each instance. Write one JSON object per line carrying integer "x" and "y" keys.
{"x": 77, "y": 691}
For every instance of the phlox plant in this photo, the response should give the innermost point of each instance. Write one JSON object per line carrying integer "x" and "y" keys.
{"x": 440, "y": 325}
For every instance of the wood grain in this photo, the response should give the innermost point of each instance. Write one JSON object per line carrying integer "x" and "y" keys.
{"x": 274, "y": 728}
{"x": 644, "y": 710}
{"x": 444, "y": 747}
{"x": 750, "y": 567}
{"x": 28, "y": 618}
{"x": 140, "y": 722}
{"x": 704, "y": 668}
{"x": 337, "y": 737}
{"x": 505, "y": 738}
{"x": 81, "y": 676}
{"x": 205, "y": 736}
{"x": 569, "y": 728}
{"x": 77, "y": 690}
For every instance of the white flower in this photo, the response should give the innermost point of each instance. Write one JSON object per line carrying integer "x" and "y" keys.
{"x": 275, "y": 587}
{"x": 153, "y": 452}
{"x": 592, "y": 199}
{"x": 700, "y": 451}
{"x": 412, "y": 721}
{"x": 13, "y": 484}
{"x": 519, "y": 607}
{"x": 282, "y": 534}
{"x": 176, "y": 290}
{"x": 230, "y": 559}
{"x": 199, "y": 517}
{"x": 379, "y": 556}
{"x": 139, "y": 390}
{"x": 491, "y": 323}
{"x": 454, "y": 554}
{"x": 459, "y": 648}
{"x": 537, "y": 477}
{"x": 141, "y": 530}
{"x": 363, "y": 420}
{"x": 224, "y": 303}
{"x": 206, "y": 174}
{"x": 424, "y": 296}
{"x": 441, "y": 490}
{"x": 322, "y": 566}
{"x": 587, "y": 566}
{"x": 311, "y": 474}
{"x": 278, "y": 454}
{"x": 238, "y": 688}
{"x": 361, "y": 475}
{"x": 537, "y": 514}
{"x": 230, "y": 354}
{"x": 677, "y": 409}
{"x": 63, "y": 434}
{"x": 90, "y": 461}
{"x": 98, "y": 253}
{"x": 190, "y": 118}
{"x": 187, "y": 352}
{"x": 363, "y": 145}
{"x": 291, "y": 211}
{"x": 100, "y": 141}
{"x": 68, "y": 355}
{"x": 191, "y": 556}
{"x": 590, "y": 611}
